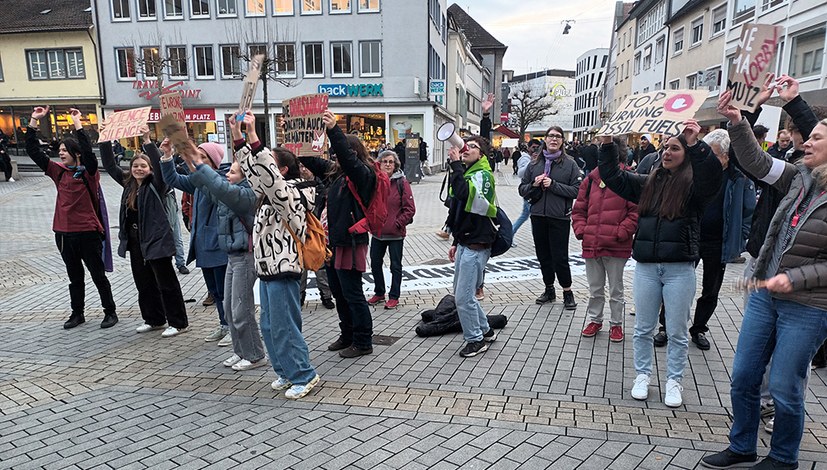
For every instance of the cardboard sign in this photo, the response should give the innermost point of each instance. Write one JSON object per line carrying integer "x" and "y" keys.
{"x": 172, "y": 104}
{"x": 248, "y": 92}
{"x": 658, "y": 112}
{"x": 176, "y": 131}
{"x": 754, "y": 59}
{"x": 123, "y": 124}
{"x": 304, "y": 130}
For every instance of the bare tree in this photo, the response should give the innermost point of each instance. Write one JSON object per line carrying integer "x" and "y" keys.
{"x": 155, "y": 61}
{"x": 530, "y": 105}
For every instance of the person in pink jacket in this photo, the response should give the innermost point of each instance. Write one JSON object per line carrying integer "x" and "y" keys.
{"x": 401, "y": 210}
{"x": 606, "y": 224}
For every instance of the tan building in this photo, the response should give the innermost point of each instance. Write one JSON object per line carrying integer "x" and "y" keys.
{"x": 624, "y": 62}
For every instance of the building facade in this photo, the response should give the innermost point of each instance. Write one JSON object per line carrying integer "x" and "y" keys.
{"x": 614, "y": 90}
{"x": 589, "y": 78}
{"x": 649, "y": 60}
{"x": 559, "y": 88}
{"x": 625, "y": 33}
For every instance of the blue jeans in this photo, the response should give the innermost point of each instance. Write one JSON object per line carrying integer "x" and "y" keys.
{"x": 790, "y": 333}
{"x": 214, "y": 278}
{"x": 523, "y": 217}
{"x": 281, "y": 326}
{"x": 469, "y": 267}
{"x": 377, "y": 258}
{"x": 672, "y": 284}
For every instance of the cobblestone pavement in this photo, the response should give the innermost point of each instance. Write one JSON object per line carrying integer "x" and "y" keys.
{"x": 541, "y": 397}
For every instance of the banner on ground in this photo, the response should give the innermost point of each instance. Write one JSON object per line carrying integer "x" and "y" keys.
{"x": 754, "y": 60}
{"x": 123, "y": 124}
{"x": 657, "y": 112}
{"x": 304, "y": 129}
{"x": 172, "y": 104}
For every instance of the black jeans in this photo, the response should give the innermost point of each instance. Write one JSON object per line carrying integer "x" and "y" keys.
{"x": 355, "y": 321}
{"x": 377, "y": 258}
{"x": 77, "y": 250}
{"x": 713, "y": 277}
{"x": 551, "y": 243}
{"x": 5, "y": 163}
{"x": 159, "y": 293}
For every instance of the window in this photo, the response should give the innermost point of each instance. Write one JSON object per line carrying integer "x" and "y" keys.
{"x": 621, "y": 72}
{"x": 698, "y": 31}
{"x": 637, "y": 63}
{"x": 313, "y": 60}
{"x": 120, "y": 10}
{"x": 1, "y": 70}
{"x": 675, "y": 84}
{"x": 623, "y": 43}
{"x": 719, "y": 20}
{"x": 151, "y": 61}
{"x": 126, "y": 63}
{"x": 341, "y": 59}
{"x": 370, "y": 58}
{"x": 204, "y": 67}
{"x": 660, "y": 49}
{"x": 311, "y": 7}
{"x": 146, "y": 10}
{"x": 652, "y": 22}
{"x": 677, "y": 41}
{"x": 173, "y": 9}
{"x": 712, "y": 78}
{"x": 253, "y": 7}
{"x": 647, "y": 58}
{"x": 230, "y": 61}
{"x": 339, "y": 6}
{"x": 55, "y": 64}
{"x": 658, "y": 86}
{"x": 286, "y": 60}
{"x": 743, "y": 11}
{"x": 200, "y": 8}
{"x": 177, "y": 62}
{"x": 225, "y": 8}
{"x": 368, "y": 5}
{"x": 692, "y": 81}
{"x": 807, "y": 53}
{"x": 256, "y": 49}
{"x": 627, "y": 69}
{"x": 37, "y": 65}
{"x": 767, "y": 4}
{"x": 282, "y": 7}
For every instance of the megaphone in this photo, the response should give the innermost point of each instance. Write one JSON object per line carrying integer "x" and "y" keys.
{"x": 447, "y": 132}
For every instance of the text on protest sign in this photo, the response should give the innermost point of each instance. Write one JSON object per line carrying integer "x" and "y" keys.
{"x": 123, "y": 124}
{"x": 658, "y": 112}
{"x": 248, "y": 91}
{"x": 753, "y": 63}
{"x": 172, "y": 104}
{"x": 304, "y": 129}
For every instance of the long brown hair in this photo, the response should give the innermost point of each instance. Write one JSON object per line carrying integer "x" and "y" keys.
{"x": 666, "y": 191}
{"x": 362, "y": 154}
{"x": 131, "y": 184}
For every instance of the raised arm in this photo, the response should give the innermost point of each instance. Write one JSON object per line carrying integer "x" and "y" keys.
{"x": 318, "y": 166}
{"x": 109, "y": 164}
{"x": 87, "y": 156}
{"x": 239, "y": 199}
{"x": 625, "y": 184}
{"x": 172, "y": 178}
{"x": 362, "y": 176}
{"x": 151, "y": 150}
{"x": 707, "y": 172}
{"x": 33, "y": 143}
{"x": 485, "y": 124}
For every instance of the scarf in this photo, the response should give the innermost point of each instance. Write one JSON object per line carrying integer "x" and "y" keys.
{"x": 550, "y": 157}
{"x": 79, "y": 169}
{"x": 480, "y": 189}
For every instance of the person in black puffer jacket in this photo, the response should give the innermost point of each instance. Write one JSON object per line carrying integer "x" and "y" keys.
{"x": 670, "y": 202}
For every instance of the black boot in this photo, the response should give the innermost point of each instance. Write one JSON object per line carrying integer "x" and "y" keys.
{"x": 73, "y": 321}
{"x": 548, "y": 296}
{"x": 109, "y": 320}
{"x": 568, "y": 300}
{"x": 328, "y": 303}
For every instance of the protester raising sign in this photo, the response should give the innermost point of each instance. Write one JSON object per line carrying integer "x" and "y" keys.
{"x": 304, "y": 130}
{"x": 171, "y": 103}
{"x": 123, "y": 124}
{"x": 658, "y": 112}
{"x": 250, "y": 83}
{"x": 754, "y": 60}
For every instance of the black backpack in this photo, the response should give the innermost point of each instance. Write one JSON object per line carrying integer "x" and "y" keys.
{"x": 505, "y": 233}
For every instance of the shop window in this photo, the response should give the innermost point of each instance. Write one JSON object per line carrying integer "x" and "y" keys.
{"x": 177, "y": 62}
{"x": 230, "y": 61}
{"x": 204, "y": 62}
{"x": 807, "y": 53}
{"x": 120, "y": 10}
{"x": 719, "y": 20}
{"x": 370, "y": 58}
{"x": 697, "y": 31}
{"x": 677, "y": 41}
{"x": 282, "y": 7}
{"x": 339, "y": 6}
{"x": 254, "y": 7}
{"x": 173, "y": 9}
{"x": 341, "y": 59}
{"x": 151, "y": 62}
{"x": 200, "y": 8}
{"x": 313, "y": 60}
{"x": 126, "y": 63}
{"x": 311, "y": 7}
{"x": 286, "y": 60}
{"x": 366, "y": 6}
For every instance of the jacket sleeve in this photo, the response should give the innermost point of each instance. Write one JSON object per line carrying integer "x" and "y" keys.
{"x": 750, "y": 201}
{"x": 527, "y": 189}
{"x": 108, "y": 160}
{"x": 485, "y": 126}
{"x": 707, "y": 173}
{"x": 318, "y": 166}
{"x": 625, "y": 184}
{"x": 758, "y": 163}
{"x": 408, "y": 209}
{"x": 580, "y": 210}
{"x": 34, "y": 150}
{"x": 239, "y": 199}
{"x": 808, "y": 276}
{"x": 363, "y": 177}
{"x": 459, "y": 186}
{"x": 626, "y": 229}
{"x": 522, "y": 164}
{"x": 802, "y": 115}
{"x": 568, "y": 189}
{"x": 151, "y": 150}
{"x": 87, "y": 156}
{"x": 174, "y": 179}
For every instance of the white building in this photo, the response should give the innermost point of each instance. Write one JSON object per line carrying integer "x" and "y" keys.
{"x": 651, "y": 37}
{"x": 591, "y": 73}
{"x": 466, "y": 79}
{"x": 559, "y": 87}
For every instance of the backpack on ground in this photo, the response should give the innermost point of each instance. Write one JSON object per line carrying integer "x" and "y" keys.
{"x": 505, "y": 233}
{"x": 313, "y": 253}
{"x": 377, "y": 211}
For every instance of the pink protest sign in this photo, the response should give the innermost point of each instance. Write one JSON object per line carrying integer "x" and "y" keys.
{"x": 123, "y": 124}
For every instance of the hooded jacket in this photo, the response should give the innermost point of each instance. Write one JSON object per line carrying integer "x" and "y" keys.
{"x": 472, "y": 203}
{"x": 604, "y": 221}
{"x": 236, "y": 208}
{"x": 401, "y": 208}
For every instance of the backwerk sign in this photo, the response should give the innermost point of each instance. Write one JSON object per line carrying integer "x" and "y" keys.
{"x": 343, "y": 90}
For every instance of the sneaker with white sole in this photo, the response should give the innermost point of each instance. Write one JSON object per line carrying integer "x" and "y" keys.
{"x": 280, "y": 384}
{"x": 172, "y": 331}
{"x": 217, "y": 334}
{"x": 227, "y": 340}
{"x": 297, "y": 391}
{"x": 147, "y": 327}
{"x": 640, "y": 390}
{"x": 244, "y": 364}
{"x": 673, "y": 397}
{"x": 232, "y": 360}
{"x": 489, "y": 336}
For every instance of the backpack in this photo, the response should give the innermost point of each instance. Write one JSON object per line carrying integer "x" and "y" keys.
{"x": 377, "y": 212}
{"x": 505, "y": 233}
{"x": 313, "y": 253}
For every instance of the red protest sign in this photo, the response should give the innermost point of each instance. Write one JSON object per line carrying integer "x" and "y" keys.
{"x": 304, "y": 130}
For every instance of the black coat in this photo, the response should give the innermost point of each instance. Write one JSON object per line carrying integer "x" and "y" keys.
{"x": 444, "y": 319}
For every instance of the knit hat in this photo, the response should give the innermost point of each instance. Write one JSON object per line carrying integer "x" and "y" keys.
{"x": 647, "y": 137}
{"x": 215, "y": 151}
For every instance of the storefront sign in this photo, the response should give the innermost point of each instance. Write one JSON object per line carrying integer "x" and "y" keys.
{"x": 404, "y": 126}
{"x": 304, "y": 130}
{"x": 436, "y": 91}
{"x": 754, "y": 60}
{"x": 341, "y": 90}
{"x": 122, "y": 124}
{"x": 190, "y": 115}
{"x": 658, "y": 112}
{"x": 151, "y": 90}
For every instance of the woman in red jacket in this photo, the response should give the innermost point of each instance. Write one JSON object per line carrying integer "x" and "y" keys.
{"x": 401, "y": 210}
{"x": 606, "y": 223}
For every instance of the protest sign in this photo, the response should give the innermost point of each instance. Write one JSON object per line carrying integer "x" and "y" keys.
{"x": 304, "y": 129}
{"x": 123, "y": 124}
{"x": 172, "y": 104}
{"x": 248, "y": 91}
{"x": 657, "y": 112}
{"x": 176, "y": 131}
{"x": 753, "y": 62}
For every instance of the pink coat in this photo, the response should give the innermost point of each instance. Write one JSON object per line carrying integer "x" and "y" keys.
{"x": 401, "y": 208}
{"x": 605, "y": 222}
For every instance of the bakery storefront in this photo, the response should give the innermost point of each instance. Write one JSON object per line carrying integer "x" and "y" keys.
{"x": 15, "y": 119}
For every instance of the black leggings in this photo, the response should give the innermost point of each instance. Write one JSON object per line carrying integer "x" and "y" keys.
{"x": 77, "y": 250}
{"x": 551, "y": 243}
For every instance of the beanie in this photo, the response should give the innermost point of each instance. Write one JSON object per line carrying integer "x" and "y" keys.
{"x": 215, "y": 151}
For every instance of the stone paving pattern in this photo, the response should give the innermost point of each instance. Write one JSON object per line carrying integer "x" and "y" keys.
{"x": 541, "y": 397}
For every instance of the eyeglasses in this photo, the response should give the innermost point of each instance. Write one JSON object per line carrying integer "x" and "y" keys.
{"x": 473, "y": 146}
{"x": 387, "y": 162}
{"x": 554, "y": 136}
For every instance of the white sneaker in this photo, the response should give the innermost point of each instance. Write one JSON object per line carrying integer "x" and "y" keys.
{"x": 297, "y": 391}
{"x": 227, "y": 340}
{"x": 147, "y": 327}
{"x": 673, "y": 397}
{"x": 232, "y": 360}
{"x": 217, "y": 334}
{"x": 640, "y": 391}
{"x": 244, "y": 364}
{"x": 280, "y": 384}
{"x": 172, "y": 331}
{"x": 11, "y": 180}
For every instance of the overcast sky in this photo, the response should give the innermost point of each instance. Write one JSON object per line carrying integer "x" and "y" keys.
{"x": 533, "y": 32}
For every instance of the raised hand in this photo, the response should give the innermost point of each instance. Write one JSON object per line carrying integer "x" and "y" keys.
{"x": 250, "y": 125}
{"x": 235, "y": 127}
{"x": 166, "y": 147}
{"x": 40, "y": 112}
{"x": 329, "y": 119}
{"x": 727, "y": 110}
{"x": 605, "y": 139}
{"x": 75, "y": 114}
{"x": 453, "y": 154}
{"x": 767, "y": 88}
{"x": 787, "y": 88}
{"x": 488, "y": 103}
{"x": 691, "y": 131}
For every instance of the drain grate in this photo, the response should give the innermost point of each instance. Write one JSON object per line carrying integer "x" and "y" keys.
{"x": 436, "y": 262}
{"x": 385, "y": 340}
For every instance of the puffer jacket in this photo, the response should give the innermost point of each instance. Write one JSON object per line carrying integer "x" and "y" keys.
{"x": 805, "y": 258}
{"x": 658, "y": 239}
{"x": 556, "y": 200}
{"x": 274, "y": 247}
{"x": 236, "y": 204}
{"x": 604, "y": 221}
{"x": 401, "y": 208}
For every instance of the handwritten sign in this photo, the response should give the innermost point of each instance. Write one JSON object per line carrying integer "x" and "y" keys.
{"x": 176, "y": 131}
{"x": 304, "y": 130}
{"x": 248, "y": 92}
{"x": 172, "y": 104}
{"x": 754, "y": 59}
{"x": 123, "y": 124}
{"x": 658, "y": 112}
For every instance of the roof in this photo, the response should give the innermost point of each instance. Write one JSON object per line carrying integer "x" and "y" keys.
{"x": 44, "y": 15}
{"x": 476, "y": 34}
{"x": 625, "y": 16}
{"x": 506, "y": 132}
{"x": 691, "y": 6}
